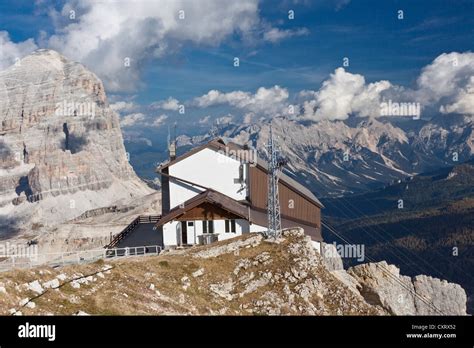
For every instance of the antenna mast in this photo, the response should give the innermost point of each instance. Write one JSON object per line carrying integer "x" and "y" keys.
{"x": 273, "y": 202}
{"x": 172, "y": 144}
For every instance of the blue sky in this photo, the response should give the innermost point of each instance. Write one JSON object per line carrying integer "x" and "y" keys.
{"x": 379, "y": 47}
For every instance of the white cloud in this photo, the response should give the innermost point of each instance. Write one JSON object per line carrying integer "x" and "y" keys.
{"x": 159, "y": 121}
{"x": 268, "y": 101}
{"x": 275, "y": 35}
{"x": 446, "y": 85}
{"x": 11, "y": 51}
{"x": 462, "y": 102}
{"x": 123, "y": 106}
{"x": 306, "y": 93}
{"x": 344, "y": 94}
{"x": 170, "y": 104}
{"x": 106, "y": 33}
{"x": 449, "y": 82}
{"x": 368, "y": 101}
{"x": 132, "y": 119}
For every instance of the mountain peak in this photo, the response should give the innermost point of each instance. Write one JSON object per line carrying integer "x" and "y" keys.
{"x": 62, "y": 141}
{"x": 48, "y": 52}
{"x": 41, "y": 60}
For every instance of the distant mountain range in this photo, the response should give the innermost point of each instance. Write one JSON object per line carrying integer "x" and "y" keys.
{"x": 338, "y": 158}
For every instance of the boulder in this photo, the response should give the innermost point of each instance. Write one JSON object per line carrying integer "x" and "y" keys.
{"x": 382, "y": 285}
{"x": 448, "y": 298}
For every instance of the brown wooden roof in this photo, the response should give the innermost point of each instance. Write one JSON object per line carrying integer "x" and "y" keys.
{"x": 208, "y": 196}
{"x": 221, "y": 144}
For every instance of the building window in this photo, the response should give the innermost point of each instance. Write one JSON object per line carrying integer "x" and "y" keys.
{"x": 190, "y": 223}
{"x": 230, "y": 226}
{"x": 207, "y": 226}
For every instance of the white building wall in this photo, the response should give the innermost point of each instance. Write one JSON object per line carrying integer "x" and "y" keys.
{"x": 208, "y": 168}
{"x": 169, "y": 233}
{"x": 241, "y": 226}
{"x": 170, "y": 237}
{"x": 256, "y": 228}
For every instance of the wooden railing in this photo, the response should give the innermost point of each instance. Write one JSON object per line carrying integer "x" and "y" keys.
{"x": 147, "y": 219}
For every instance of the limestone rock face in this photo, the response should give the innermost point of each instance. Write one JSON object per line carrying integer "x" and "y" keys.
{"x": 450, "y": 298}
{"x": 378, "y": 286}
{"x": 332, "y": 259}
{"x": 61, "y": 146}
{"x": 382, "y": 285}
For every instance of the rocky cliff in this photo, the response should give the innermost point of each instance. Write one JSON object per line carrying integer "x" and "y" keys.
{"x": 246, "y": 275}
{"x": 382, "y": 285}
{"x": 61, "y": 146}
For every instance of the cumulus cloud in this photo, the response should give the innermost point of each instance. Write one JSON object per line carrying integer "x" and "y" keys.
{"x": 106, "y": 34}
{"x": 170, "y": 104}
{"x": 275, "y": 35}
{"x": 344, "y": 94}
{"x": 11, "y": 51}
{"x": 446, "y": 85}
{"x": 449, "y": 82}
{"x": 268, "y": 101}
{"x": 462, "y": 102}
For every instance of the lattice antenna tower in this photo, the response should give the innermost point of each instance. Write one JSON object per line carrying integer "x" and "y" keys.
{"x": 273, "y": 201}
